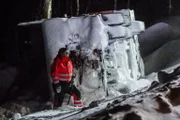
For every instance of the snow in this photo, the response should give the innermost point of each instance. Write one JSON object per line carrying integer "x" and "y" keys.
{"x": 152, "y": 105}
{"x": 119, "y": 57}
{"x": 124, "y": 64}
{"x": 115, "y": 36}
{"x": 119, "y": 32}
{"x": 137, "y": 27}
{"x": 50, "y": 113}
{"x": 116, "y": 39}
{"x": 31, "y": 23}
{"x": 113, "y": 19}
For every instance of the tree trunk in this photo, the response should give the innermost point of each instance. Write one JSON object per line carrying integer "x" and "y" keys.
{"x": 115, "y": 4}
{"x": 77, "y": 10}
{"x": 128, "y": 4}
{"x": 71, "y": 7}
{"x": 170, "y": 7}
{"x": 47, "y": 8}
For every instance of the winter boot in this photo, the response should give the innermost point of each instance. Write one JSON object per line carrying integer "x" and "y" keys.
{"x": 78, "y": 103}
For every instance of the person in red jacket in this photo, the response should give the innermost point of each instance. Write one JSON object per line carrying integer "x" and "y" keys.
{"x": 62, "y": 74}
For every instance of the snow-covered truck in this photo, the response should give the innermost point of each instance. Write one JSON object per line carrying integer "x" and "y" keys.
{"x": 105, "y": 51}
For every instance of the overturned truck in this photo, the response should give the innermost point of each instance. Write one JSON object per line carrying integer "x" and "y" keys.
{"x": 104, "y": 49}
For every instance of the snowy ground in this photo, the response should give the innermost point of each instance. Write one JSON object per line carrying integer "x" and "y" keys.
{"x": 161, "y": 103}
{"x": 138, "y": 103}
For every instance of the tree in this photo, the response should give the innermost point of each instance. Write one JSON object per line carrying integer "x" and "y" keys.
{"x": 47, "y": 9}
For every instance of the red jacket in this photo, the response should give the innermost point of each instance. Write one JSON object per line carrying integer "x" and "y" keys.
{"x": 61, "y": 69}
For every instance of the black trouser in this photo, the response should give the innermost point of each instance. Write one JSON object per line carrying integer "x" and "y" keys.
{"x": 68, "y": 88}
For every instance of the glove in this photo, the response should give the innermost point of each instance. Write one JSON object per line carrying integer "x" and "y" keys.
{"x": 74, "y": 75}
{"x": 58, "y": 89}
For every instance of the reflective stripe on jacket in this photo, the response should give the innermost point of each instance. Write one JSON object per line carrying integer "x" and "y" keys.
{"x": 61, "y": 69}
